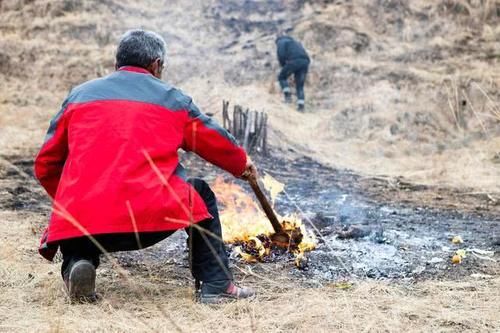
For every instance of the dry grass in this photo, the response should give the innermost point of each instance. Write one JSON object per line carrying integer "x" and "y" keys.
{"x": 393, "y": 90}
{"x": 398, "y": 79}
{"x": 153, "y": 299}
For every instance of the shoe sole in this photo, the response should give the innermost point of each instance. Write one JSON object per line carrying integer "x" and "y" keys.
{"x": 82, "y": 282}
{"x": 218, "y": 299}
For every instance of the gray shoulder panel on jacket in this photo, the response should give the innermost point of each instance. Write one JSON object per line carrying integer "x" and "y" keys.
{"x": 55, "y": 120}
{"x": 138, "y": 87}
{"x": 130, "y": 86}
{"x": 194, "y": 112}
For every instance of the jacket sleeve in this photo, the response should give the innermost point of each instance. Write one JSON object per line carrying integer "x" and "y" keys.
{"x": 206, "y": 138}
{"x": 282, "y": 52}
{"x": 50, "y": 160}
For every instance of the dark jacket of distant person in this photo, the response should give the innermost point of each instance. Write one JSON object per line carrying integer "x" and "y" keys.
{"x": 289, "y": 49}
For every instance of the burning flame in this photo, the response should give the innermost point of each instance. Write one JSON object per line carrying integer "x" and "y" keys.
{"x": 245, "y": 224}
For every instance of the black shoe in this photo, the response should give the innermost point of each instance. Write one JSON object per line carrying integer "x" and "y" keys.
{"x": 80, "y": 282}
{"x": 232, "y": 293}
{"x": 288, "y": 97}
{"x": 300, "y": 107}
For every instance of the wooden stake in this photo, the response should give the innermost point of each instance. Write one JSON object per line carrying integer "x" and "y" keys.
{"x": 264, "y": 136}
{"x": 248, "y": 125}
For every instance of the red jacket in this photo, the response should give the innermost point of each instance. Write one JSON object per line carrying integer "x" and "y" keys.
{"x": 110, "y": 161}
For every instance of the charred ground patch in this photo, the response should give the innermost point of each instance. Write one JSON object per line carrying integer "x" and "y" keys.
{"x": 381, "y": 228}
{"x": 367, "y": 227}
{"x": 19, "y": 190}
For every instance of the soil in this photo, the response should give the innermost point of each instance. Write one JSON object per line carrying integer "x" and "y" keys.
{"x": 405, "y": 240}
{"x": 407, "y": 232}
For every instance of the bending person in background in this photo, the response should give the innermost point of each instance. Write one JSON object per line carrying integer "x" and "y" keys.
{"x": 293, "y": 59}
{"x": 110, "y": 163}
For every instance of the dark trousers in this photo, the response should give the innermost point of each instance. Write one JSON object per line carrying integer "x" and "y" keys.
{"x": 207, "y": 254}
{"x": 299, "y": 68}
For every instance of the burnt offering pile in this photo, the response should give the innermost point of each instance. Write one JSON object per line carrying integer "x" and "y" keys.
{"x": 249, "y": 231}
{"x": 268, "y": 247}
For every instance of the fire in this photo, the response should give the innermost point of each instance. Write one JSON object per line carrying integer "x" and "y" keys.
{"x": 245, "y": 225}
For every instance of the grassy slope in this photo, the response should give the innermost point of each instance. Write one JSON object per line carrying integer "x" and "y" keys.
{"x": 383, "y": 87}
{"x": 48, "y": 46}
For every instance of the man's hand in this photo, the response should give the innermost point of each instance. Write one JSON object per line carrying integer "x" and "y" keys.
{"x": 250, "y": 170}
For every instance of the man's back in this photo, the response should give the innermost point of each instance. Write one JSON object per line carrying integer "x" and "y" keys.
{"x": 110, "y": 136}
{"x": 289, "y": 49}
{"x": 114, "y": 119}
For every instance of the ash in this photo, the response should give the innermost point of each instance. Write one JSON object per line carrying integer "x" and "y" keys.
{"x": 363, "y": 234}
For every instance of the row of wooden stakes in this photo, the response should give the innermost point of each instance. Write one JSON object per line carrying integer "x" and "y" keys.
{"x": 247, "y": 126}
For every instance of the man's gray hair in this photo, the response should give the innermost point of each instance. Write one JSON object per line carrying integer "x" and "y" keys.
{"x": 140, "y": 48}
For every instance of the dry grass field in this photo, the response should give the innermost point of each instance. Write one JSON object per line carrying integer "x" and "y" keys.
{"x": 156, "y": 297}
{"x": 397, "y": 89}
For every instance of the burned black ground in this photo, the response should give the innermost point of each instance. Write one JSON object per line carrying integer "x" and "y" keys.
{"x": 398, "y": 237}
{"x": 405, "y": 229}
{"x": 19, "y": 190}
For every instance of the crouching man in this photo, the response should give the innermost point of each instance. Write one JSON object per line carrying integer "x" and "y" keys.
{"x": 110, "y": 164}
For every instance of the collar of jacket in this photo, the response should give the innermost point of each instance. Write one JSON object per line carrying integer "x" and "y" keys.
{"x": 134, "y": 69}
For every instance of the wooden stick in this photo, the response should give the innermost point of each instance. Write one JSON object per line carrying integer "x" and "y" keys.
{"x": 236, "y": 118}
{"x": 242, "y": 124}
{"x": 256, "y": 123}
{"x": 248, "y": 125}
{"x": 228, "y": 120}
{"x": 224, "y": 122}
{"x": 266, "y": 206}
{"x": 264, "y": 136}
{"x": 256, "y": 136}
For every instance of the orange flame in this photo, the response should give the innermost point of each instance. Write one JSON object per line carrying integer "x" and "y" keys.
{"x": 243, "y": 221}
{"x": 240, "y": 216}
